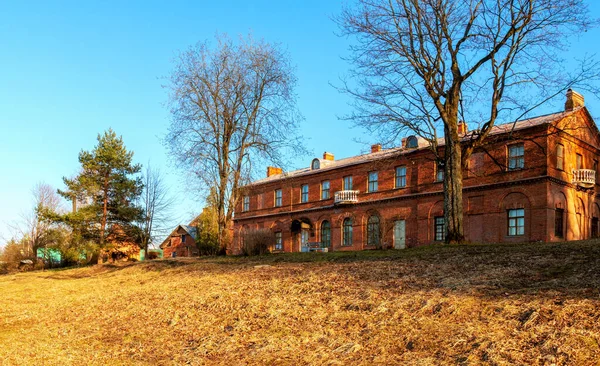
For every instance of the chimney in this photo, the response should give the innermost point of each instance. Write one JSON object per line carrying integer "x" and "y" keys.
{"x": 404, "y": 142}
{"x": 462, "y": 128}
{"x": 375, "y": 148}
{"x": 327, "y": 156}
{"x": 574, "y": 100}
{"x": 271, "y": 170}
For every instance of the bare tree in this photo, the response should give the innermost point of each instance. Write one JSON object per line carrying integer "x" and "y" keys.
{"x": 157, "y": 204}
{"x": 32, "y": 229}
{"x": 418, "y": 62}
{"x": 232, "y": 107}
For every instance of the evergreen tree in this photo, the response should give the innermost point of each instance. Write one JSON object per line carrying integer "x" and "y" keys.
{"x": 107, "y": 189}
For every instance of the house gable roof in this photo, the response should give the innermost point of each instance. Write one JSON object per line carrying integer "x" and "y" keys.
{"x": 190, "y": 230}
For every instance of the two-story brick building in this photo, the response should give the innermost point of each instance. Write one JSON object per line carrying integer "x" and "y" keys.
{"x": 535, "y": 180}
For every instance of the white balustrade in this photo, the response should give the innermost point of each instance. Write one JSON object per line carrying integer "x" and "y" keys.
{"x": 345, "y": 197}
{"x": 584, "y": 177}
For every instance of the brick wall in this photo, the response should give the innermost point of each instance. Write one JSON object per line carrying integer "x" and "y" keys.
{"x": 490, "y": 190}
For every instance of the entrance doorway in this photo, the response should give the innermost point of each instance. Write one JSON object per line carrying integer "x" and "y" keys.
{"x": 302, "y": 230}
{"x": 399, "y": 234}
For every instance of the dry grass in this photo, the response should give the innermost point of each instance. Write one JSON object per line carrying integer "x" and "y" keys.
{"x": 512, "y": 304}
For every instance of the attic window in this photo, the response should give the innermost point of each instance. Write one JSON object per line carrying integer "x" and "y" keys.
{"x": 412, "y": 142}
{"x": 316, "y": 164}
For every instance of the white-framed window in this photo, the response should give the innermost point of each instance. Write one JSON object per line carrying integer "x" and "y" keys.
{"x": 579, "y": 161}
{"x": 373, "y": 178}
{"x": 516, "y": 156}
{"x": 182, "y": 238}
{"x": 325, "y": 190}
{"x": 316, "y": 164}
{"x": 278, "y": 241}
{"x": 278, "y": 198}
{"x": 439, "y": 228}
{"x": 347, "y": 186}
{"x": 246, "y": 203}
{"x": 304, "y": 195}
{"x": 400, "y": 177}
{"x": 560, "y": 157}
{"x": 516, "y": 222}
{"x": 439, "y": 171}
{"x": 325, "y": 234}
{"x": 373, "y": 231}
{"x": 347, "y": 232}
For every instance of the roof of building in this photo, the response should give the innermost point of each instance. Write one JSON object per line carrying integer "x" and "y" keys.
{"x": 422, "y": 144}
{"x": 191, "y": 230}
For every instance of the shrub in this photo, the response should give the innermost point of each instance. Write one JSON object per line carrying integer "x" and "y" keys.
{"x": 257, "y": 242}
{"x": 208, "y": 247}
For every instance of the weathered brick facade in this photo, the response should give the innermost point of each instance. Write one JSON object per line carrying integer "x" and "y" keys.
{"x": 181, "y": 243}
{"x": 502, "y": 201}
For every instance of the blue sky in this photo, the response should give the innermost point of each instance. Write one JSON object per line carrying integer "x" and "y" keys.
{"x": 71, "y": 69}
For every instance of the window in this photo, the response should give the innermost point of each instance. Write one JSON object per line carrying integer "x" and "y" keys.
{"x": 347, "y": 232}
{"x": 516, "y": 157}
{"x": 372, "y": 182}
{"x": 246, "y": 203}
{"x": 278, "y": 241}
{"x": 559, "y": 222}
{"x": 579, "y": 161}
{"x": 516, "y": 222}
{"x": 439, "y": 228}
{"x": 182, "y": 238}
{"x": 412, "y": 142}
{"x": 278, "y": 198}
{"x": 316, "y": 164}
{"x": 348, "y": 183}
{"x": 326, "y": 234}
{"x": 324, "y": 189}
{"x": 304, "y": 196}
{"x": 596, "y": 171}
{"x": 594, "y": 227}
{"x": 373, "y": 231}
{"x": 439, "y": 171}
{"x": 400, "y": 177}
{"x": 173, "y": 254}
{"x": 560, "y": 157}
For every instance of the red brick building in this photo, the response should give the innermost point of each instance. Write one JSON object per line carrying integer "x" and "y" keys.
{"x": 535, "y": 180}
{"x": 181, "y": 243}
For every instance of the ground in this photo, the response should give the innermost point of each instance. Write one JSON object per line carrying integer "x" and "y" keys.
{"x": 480, "y": 304}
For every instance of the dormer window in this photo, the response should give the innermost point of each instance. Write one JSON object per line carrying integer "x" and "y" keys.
{"x": 412, "y": 142}
{"x": 316, "y": 164}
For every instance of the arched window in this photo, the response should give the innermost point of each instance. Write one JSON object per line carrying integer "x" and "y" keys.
{"x": 347, "y": 232}
{"x": 412, "y": 142}
{"x": 316, "y": 164}
{"x": 325, "y": 234}
{"x": 373, "y": 231}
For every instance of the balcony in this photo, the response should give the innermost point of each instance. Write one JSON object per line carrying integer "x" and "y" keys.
{"x": 345, "y": 197}
{"x": 585, "y": 178}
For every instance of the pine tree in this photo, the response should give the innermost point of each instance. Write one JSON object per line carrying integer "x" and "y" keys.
{"x": 108, "y": 189}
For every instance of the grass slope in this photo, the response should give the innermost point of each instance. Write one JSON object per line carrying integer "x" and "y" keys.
{"x": 502, "y": 304}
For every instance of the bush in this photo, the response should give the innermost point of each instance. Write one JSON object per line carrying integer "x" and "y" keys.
{"x": 208, "y": 247}
{"x": 257, "y": 242}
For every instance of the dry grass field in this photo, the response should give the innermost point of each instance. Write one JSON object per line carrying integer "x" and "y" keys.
{"x": 498, "y": 305}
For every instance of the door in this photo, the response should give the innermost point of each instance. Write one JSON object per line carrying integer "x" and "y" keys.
{"x": 304, "y": 240}
{"x": 400, "y": 234}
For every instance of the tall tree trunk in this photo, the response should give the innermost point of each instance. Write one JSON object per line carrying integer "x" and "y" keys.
{"x": 453, "y": 186}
